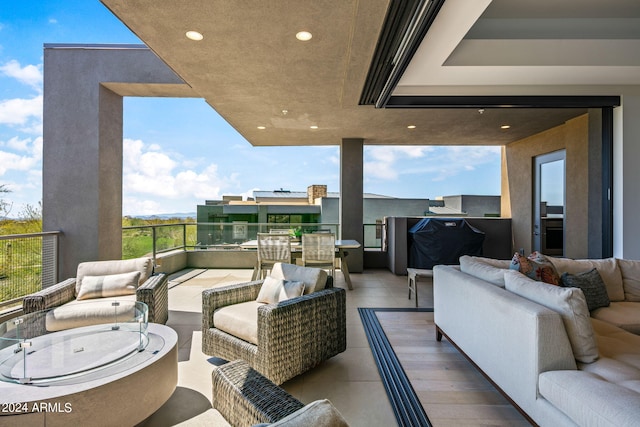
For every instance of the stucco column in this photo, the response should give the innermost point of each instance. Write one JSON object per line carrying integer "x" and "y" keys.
{"x": 626, "y": 203}
{"x": 351, "y": 198}
{"x": 82, "y": 148}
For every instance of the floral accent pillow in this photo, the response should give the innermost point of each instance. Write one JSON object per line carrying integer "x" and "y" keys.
{"x": 537, "y": 267}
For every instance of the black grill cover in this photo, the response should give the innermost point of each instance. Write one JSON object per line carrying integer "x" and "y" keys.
{"x": 436, "y": 241}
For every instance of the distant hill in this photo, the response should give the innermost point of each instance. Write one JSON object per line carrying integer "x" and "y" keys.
{"x": 181, "y": 215}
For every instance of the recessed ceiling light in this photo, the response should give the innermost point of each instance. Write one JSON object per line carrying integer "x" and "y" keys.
{"x": 262, "y": 127}
{"x": 304, "y": 36}
{"x": 314, "y": 127}
{"x": 411, "y": 127}
{"x": 194, "y": 35}
{"x": 505, "y": 127}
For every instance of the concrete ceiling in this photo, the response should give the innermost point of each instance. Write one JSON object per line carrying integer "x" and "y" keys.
{"x": 253, "y": 71}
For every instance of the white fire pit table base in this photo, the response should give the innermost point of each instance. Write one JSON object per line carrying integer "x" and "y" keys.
{"x": 124, "y": 393}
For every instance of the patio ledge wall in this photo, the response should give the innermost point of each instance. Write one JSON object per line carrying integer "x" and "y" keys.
{"x": 235, "y": 259}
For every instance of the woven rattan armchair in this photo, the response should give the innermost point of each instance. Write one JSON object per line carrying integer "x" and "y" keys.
{"x": 154, "y": 292}
{"x": 244, "y": 397}
{"x": 293, "y": 335}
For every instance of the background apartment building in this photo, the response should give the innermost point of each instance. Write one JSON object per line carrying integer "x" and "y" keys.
{"x": 233, "y": 220}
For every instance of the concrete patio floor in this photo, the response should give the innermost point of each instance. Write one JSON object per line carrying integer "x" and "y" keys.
{"x": 350, "y": 380}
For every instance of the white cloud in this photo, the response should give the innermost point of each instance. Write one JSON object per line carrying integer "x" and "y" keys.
{"x": 389, "y": 163}
{"x": 451, "y": 161}
{"x": 29, "y": 74}
{"x": 22, "y": 112}
{"x": 137, "y": 206}
{"x": 249, "y": 193}
{"x": 31, "y": 159}
{"x": 386, "y": 158}
{"x": 13, "y": 161}
{"x": 18, "y": 144}
{"x": 150, "y": 173}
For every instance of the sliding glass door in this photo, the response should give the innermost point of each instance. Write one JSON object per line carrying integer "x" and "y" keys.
{"x": 549, "y": 203}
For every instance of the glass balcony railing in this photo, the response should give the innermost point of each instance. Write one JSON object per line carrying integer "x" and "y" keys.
{"x": 28, "y": 262}
{"x": 151, "y": 240}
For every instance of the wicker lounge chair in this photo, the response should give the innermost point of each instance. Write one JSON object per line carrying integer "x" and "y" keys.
{"x": 152, "y": 288}
{"x": 246, "y": 398}
{"x": 292, "y": 337}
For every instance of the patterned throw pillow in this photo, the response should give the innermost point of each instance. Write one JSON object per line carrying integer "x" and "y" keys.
{"x": 537, "y": 267}
{"x": 593, "y": 288}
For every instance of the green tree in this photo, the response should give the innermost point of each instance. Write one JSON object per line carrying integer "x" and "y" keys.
{"x": 5, "y": 205}
{"x": 31, "y": 218}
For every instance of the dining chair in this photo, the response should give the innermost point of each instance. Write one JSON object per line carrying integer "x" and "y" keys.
{"x": 319, "y": 250}
{"x": 272, "y": 248}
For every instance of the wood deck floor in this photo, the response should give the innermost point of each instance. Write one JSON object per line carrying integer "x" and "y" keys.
{"x": 451, "y": 390}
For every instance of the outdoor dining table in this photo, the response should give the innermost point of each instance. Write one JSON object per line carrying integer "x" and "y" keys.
{"x": 341, "y": 252}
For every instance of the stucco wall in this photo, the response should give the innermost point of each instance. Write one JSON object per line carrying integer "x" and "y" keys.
{"x": 573, "y": 137}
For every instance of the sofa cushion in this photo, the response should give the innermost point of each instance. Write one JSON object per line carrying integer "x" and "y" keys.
{"x": 109, "y": 286}
{"x": 320, "y": 413}
{"x": 487, "y": 269}
{"x": 105, "y": 268}
{"x": 619, "y": 361}
{"x": 275, "y": 290}
{"x": 76, "y": 314}
{"x": 623, "y": 314}
{"x": 568, "y": 302}
{"x": 239, "y": 320}
{"x": 314, "y": 279}
{"x": 593, "y": 288}
{"x": 630, "y": 270}
{"x": 589, "y": 400}
{"x": 536, "y": 267}
{"x": 615, "y": 371}
{"x": 608, "y": 269}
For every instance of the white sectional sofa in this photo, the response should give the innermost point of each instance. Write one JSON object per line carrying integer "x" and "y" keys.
{"x": 538, "y": 342}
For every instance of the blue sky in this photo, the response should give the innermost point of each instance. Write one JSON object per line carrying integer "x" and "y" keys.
{"x": 187, "y": 152}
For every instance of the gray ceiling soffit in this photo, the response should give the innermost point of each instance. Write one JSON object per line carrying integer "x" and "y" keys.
{"x": 406, "y": 24}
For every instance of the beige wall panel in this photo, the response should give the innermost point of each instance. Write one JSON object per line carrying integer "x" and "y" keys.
{"x": 572, "y": 136}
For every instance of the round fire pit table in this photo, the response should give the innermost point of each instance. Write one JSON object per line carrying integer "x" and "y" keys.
{"x": 114, "y": 373}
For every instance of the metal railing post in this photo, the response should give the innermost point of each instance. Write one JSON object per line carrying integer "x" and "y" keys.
{"x": 184, "y": 236}
{"x": 153, "y": 243}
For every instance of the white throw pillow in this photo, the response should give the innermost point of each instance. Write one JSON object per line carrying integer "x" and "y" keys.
{"x": 109, "y": 286}
{"x": 570, "y": 303}
{"x": 275, "y": 290}
{"x": 105, "y": 268}
{"x": 314, "y": 279}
